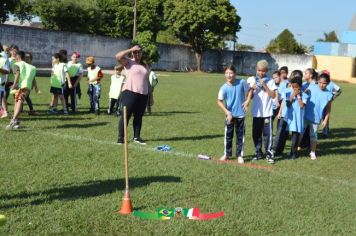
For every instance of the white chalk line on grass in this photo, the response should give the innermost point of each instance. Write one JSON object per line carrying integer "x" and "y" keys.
{"x": 185, "y": 154}
{"x": 135, "y": 146}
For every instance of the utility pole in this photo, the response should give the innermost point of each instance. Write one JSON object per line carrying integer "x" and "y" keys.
{"x": 134, "y": 23}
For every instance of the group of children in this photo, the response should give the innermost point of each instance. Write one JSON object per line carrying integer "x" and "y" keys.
{"x": 300, "y": 108}
{"x": 18, "y": 78}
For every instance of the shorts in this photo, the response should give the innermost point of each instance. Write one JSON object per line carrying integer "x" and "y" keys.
{"x": 313, "y": 130}
{"x": 21, "y": 94}
{"x": 58, "y": 91}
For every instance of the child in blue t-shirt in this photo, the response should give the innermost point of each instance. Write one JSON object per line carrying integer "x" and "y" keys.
{"x": 294, "y": 101}
{"x": 319, "y": 99}
{"x": 336, "y": 91}
{"x": 233, "y": 102}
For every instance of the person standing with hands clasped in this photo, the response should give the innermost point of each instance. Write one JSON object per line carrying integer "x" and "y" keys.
{"x": 135, "y": 91}
{"x": 264, "y": 91}
{"x": 233, "y": 102}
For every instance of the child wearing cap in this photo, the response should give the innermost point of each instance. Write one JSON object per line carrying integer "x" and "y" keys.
{"x": 94, "y": 77}
{"x": 264, "y": 91}
{"x": 117, "y": 80}
{"x": 75, "y": 71}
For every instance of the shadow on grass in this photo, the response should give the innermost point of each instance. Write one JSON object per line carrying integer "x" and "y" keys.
{"x": 171, "y": 113}
{"x": 85, "y": 190}
{"x": 53, "y": 117}
{"x": 342, "y": 133}
{"x": 201, "y": 137}
{"x": 82, "y": 126}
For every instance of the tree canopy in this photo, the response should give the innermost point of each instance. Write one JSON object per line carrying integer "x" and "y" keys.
{"x": 201, "y": 23}
{"x": 286, "y": 43}
{"x": 329, "y": 37}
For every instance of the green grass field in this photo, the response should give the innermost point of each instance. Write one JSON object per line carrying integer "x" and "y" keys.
{"x": 64, "y": 175}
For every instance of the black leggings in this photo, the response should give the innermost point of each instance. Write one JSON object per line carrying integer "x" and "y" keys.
{"x": 135, "y": 104}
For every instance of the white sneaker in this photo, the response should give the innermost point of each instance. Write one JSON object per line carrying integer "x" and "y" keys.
{"x": 223, "y": 158}
{"x": 312, "y": 156}
{"x": 240, "y": 160}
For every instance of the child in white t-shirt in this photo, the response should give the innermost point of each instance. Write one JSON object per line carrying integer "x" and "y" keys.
{"x": 117, "y": 80}
{"x": 264, "y": 92}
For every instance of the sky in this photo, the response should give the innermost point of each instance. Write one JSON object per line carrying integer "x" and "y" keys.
{"x": 263, "y": 20}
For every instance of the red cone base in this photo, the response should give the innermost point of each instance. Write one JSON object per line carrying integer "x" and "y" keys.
{"x": 126, "y": 207}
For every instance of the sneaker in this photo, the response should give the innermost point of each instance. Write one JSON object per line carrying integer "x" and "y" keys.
{"x": 256, "y": 158}
{"x": 292, "y": 156}
{"x": 312, "y": 156}
{"x": 13, "y": 125}
{"x": 270, "y": 160}
{"x": 53, "y": 111}
{"x": 139, "y": 141}
{"x": 120, "y": 141}
{"x": 224, "y": 158}
{"x": 32, "y": 113}
{"x": 65, "y": 112}
{"x": 240, "y": 160}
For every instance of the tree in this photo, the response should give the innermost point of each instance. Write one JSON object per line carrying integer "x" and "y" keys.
{"x": 145, "y": 39}
{"x": 67, "y": 15}
{"x": 167, "y": 36}
{"x": 329, "y": 37}
{"x": 201, "y": 23}
{"x": 150, "y": 16}
{"x": 285, "y": 43}
{"x": 244, "y": 47}
{"x": 21, "y": 9}
{"x": 103, "y": 17}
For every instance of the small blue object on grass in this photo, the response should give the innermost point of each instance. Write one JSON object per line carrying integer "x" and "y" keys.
{"x": 163, "y": 148}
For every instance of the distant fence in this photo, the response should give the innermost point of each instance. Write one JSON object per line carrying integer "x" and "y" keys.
{"x": 43, "y": 43}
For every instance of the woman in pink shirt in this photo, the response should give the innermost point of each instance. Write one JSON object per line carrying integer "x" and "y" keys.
{"x": 135, "y": 91}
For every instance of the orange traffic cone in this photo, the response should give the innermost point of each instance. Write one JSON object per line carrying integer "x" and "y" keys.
{"x": 126, "y": 207}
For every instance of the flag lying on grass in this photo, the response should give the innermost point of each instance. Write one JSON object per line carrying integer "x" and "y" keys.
{"x": 168, "y": 213}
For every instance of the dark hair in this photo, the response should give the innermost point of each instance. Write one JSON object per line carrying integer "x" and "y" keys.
{"x": 28, "y": 55}
{"x": 119, "y": 67}
{"x": 276, "y": 72}
{"x": 1, "y": 48}
{"x": 64, "y": 55}
{"x": 230, "y": 67}
{"x": 57, "y": 56}
{"x": 284, "y": 68}
{"x": 21, "y": 54}
{"x": 296, "y": 73}
{"x": 13, "y": 46}
{"x": 296, "y": 80}
{"x": 325, "y": 76}
{"x": 313, "y": 73}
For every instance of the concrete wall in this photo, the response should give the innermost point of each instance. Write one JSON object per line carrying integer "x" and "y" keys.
{"x": 43, "y": 43}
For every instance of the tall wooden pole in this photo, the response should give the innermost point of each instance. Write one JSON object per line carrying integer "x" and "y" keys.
{"x": 135, "y": 19}
{"x": 126, "y": 151}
